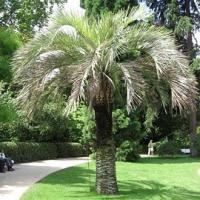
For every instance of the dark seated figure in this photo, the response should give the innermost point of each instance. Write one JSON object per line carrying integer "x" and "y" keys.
{"x": 2, "y": 165}
{"x": 5, "y": 162}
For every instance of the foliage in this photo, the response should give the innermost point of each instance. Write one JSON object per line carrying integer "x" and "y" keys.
{"x": 128, "y": 127}
{"x": 81, "y": 125}
{"x": 27, "y": 152}
{"x": 195, "y": 65}
{"x": 9, "y": 42}
{"x": 128, "y": 151}
{"x": 170, "y": 124}
{"x": 49, "y": 126}
{"x": 65, "y": 150}
{"x": 120, "y": 120}
{"x": 170, "y": 10}
{"x": 182, "y": 138}
{"x": 8, "y": 112}
{"x": 182, "y": 17}
{"x": 25, "y": 15}
{"x": 51, "y": 123}
{"x": 95, "y": 7}
{"x": 76, "y": 62}
{"x": 184, "y": 26}
{"x": 32, "y": 151}
{"x": 151, "y": 115}
{"x": 168, "y": 148}
{"x": 197, "y": 140}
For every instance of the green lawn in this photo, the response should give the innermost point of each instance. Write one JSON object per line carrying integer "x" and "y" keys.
{"x": 149, "y": 179}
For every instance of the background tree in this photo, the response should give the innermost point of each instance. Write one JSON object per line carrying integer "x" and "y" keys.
{"x": 19, "y": 19}
{"x": 95, "y": 7}
{"x": 183, "y": 17}
{"x": 9, "y": 42}
{"x": 92, "y": 56}
{"x": 25, "y": 15}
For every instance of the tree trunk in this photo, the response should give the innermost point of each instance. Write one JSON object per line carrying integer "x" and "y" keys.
{"x": 193, "y": 132}
{"x": 106, "y": 182}
{"x": 192, "y": 115}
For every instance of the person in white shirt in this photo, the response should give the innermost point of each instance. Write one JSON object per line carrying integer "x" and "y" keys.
{"x": 150, "y": 148}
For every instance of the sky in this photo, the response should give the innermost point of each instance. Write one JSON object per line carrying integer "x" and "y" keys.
{"x": 73, "y": 6}
{"x": 74, "y": 2}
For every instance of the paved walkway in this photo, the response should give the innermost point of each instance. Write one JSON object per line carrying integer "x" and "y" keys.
{"x": 13, "y": 184}
{"x": 148, "y": 156}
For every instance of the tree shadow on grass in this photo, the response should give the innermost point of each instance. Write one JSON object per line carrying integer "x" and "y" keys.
{"x": 169, "y": 160}
{"x": 81, "y": 180}
{"x": 72, "y": 175}
{"x": 143, "y": 189}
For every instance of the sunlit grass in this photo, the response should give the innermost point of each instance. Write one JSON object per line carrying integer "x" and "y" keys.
{"x": 149, "y": 179}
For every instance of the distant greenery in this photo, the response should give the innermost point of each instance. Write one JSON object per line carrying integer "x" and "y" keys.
{"x": 128, "y": 151}
{"x": 8, "y": 112}
{"x": 154, "y": 179}
{"x": 25, "y": 15}
{"x": 168, "y": 148}
{"x": 9, "y": 42}
{"x": 81, "y": 125}
{"x": 95, "y": 7}
{"x": 33, "y": 151}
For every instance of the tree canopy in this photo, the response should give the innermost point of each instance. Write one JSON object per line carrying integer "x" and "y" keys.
{"x": 93, "y": 58}
{"x": 95, "y": 7}
{"x": 25, "y": 15}
{"x": 83, "y": 47}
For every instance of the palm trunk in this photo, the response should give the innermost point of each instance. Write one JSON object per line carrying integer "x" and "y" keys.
{"x": 193, "y": 125}
{"x": 193, "y": 114}
{"x": 106, "y": 182}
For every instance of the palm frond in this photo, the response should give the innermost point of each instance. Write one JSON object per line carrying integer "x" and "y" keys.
{"x": 135, "y": 84}
{"x": 84, "y": 53}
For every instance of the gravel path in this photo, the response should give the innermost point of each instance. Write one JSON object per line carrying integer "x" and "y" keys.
{"x": 13, "y": 184}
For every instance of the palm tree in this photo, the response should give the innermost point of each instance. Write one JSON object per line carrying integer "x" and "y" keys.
{"x": 94, "y": 58}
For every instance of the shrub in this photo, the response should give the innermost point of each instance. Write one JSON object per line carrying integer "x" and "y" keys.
{"x": 92, "y": 153}
{"x": 128, "y": 151}
{"x": 26, "y": 152}
{"x": 70, "y": 150}
{"x": 168, "y": 148}
{"x": 32, "y": 151}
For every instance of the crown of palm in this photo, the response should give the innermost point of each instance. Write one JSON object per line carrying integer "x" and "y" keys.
{"x": 93, "y": 55}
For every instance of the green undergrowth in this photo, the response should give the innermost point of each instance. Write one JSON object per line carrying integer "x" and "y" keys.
{"x": 149, "y": 179}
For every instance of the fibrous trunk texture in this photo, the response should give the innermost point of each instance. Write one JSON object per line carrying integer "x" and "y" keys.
{"x": 106, "y": 182}
{"x": 193, "y": 127}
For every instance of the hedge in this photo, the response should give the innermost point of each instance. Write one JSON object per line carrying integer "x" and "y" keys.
{"x": 32, "y": 151}
{"x": 70, "y": 150}
{"x": 168, "y": 148}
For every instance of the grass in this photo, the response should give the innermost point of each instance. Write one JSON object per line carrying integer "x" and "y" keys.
{"x": 149, "y": 179}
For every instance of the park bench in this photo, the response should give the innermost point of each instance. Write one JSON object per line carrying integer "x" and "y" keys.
{"x": 186, "y": 151}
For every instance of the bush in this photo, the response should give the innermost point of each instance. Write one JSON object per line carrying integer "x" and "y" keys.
{"x": 92, "y": 153}
{"x": 32, "y": 151}
{"x": 168, "y": 148}
{"x": 70, "y": 150}
{"x": 26, "y": 152}
{"x": 128, "y": 151}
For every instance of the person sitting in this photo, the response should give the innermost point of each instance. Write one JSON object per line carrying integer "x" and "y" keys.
{"x": 6, "y": 161}
{"x": 150, "y": 148}
{"x": 2, "y": 165}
